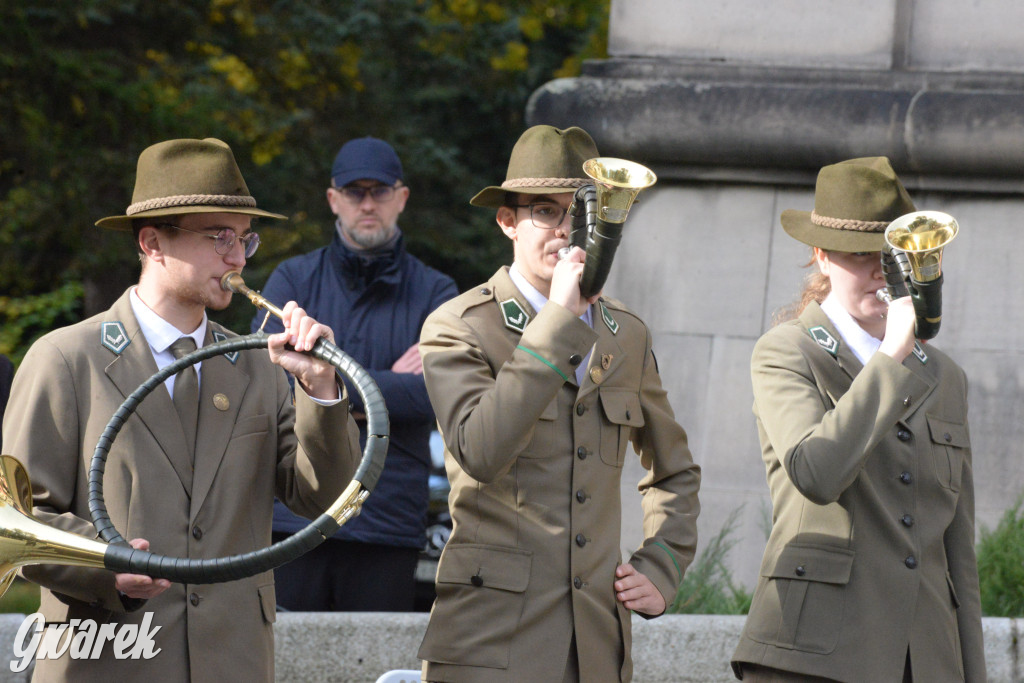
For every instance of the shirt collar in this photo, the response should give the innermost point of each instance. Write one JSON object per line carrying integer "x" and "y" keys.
{"x": 860, "y": 342}
{"x": 159, "y": 333}
{"x": 534, "y": 297}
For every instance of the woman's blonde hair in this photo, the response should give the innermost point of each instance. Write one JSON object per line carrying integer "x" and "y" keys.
{"x": 816, "y": 288}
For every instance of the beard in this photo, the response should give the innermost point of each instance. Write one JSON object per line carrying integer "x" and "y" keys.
{"x": 369, "y": 239}
{"x": 189, "y": 293}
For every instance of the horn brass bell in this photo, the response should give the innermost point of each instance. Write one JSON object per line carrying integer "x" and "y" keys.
{"x": 922, "y": 235}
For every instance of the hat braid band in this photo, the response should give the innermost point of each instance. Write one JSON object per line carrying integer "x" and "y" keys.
{"x": 848, "y": 223}
{"x": 544, "y": 182}
{"x": 191, "y": 200}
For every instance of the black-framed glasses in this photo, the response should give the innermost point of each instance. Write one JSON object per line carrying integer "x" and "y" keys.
{"x": 379, "y": 193}
{"x": 546, "y": 216}
{"x": 224, "y": 240}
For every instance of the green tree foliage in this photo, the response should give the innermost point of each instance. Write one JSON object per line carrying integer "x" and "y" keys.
{"x": 23, "y": 320}
{"x": 1001, "y": 565}
{"x": 85, "y": 85}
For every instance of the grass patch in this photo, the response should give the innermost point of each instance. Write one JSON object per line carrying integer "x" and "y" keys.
{"x": 1001, "y": 566}
{"x": 708, "y": 586}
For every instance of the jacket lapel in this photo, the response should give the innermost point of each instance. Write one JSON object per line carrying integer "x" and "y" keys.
{"x": 221, "y": 388}
{"x": 513, "y": 308}
{"x": 834, "y": 357}
{"x": 607, "y": 356}
{"x": 919, "y": 364}
{"x": 129, "y": 369}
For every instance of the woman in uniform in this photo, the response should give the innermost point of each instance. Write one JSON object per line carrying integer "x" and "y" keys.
{"x": 870, "y": 572}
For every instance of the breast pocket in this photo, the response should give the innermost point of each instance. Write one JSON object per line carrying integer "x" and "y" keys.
{"x": 622, "y": 415}
{"x": 949, "y": 444}
{"x": 481, "y": 591}
{"x": 800, "y": 599}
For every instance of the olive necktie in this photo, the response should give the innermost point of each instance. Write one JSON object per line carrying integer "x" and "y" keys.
{"x": 186, "y": 393}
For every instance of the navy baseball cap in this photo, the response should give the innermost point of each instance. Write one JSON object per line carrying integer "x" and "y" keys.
{"x": 366, "y": 159}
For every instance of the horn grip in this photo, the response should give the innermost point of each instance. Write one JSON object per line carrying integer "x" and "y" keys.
{"x": 601, "y": 246}
{"x": 927, "y": 298}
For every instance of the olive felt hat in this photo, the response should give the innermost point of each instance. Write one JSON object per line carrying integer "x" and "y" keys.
{"x": 854, "y": 202}
{"x": 187, "y": 176}
{"x": 545, "y": 160}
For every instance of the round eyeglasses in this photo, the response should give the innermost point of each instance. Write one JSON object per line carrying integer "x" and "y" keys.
{"x": 356, "y": 194}
{"x": 224, "y": 240}
{"x": 544, "y": 216}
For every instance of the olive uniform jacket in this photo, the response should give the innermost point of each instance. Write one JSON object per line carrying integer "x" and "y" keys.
{"x": 247, "y": 451}
{"x": 871, "y": 551}
{"x": 535, "y": 464}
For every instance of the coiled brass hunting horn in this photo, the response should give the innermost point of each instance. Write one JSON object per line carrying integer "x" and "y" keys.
{"x": 912, "y": 264}
{"x": 598, "y": 212}
{"x": 25, "y": 540}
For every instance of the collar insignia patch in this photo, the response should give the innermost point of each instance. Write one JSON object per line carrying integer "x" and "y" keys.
{"x": 606, "y": 316}
{"x": 219, "y": 337}
{"x": 514, "y": 315}
{"x": 825, "y": 340}
{"x": 919, "y": 352}
{"x": 114, "y": 337}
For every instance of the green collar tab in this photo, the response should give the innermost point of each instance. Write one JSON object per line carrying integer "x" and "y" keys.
{"x": 606, "y": 316}
{"x": 114, "y": 336}
{"x": 219, "y": 337}
{"x": 825, "y": 340}
{"x": 919, "y": 352}
{"x": 515, "y": 315}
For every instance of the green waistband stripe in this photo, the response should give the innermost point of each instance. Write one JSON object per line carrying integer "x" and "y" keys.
{"x": 545, "y": 361}
{"x": 672, "y": 557}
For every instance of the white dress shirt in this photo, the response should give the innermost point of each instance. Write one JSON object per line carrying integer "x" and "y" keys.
{"x": 860, "y": 342}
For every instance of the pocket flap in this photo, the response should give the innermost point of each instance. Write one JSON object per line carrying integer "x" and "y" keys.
{"x": 952, "y": 591}
{"x": 489, "y": 566}
{"x": 948, "y": 433}
{"x": 268, "y": 603}
{"x": 622, "y": 407}
{"x": 812, "y": 563}
{"x": 551, "y": 411}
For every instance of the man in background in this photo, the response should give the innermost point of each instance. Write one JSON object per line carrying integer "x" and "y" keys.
{"x": 375, "y": 295}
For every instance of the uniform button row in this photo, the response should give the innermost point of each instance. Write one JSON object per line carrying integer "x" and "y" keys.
{"x": 581, "y": 540}
{"x": 577, "y": 582}
{"x": 903, "y": 435}
{"x": 911, "y": 562}
{"x": 197, "y": 533}
{"x": 907, "y": 520}
{"x": 580, "y": 409}
{"x": 581, "y": 496}
{"x": 582, "y": 453}
{"x": 905, "y": 477}
{"x": 194, "y": 599}
{"x": 575, "y": 359}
